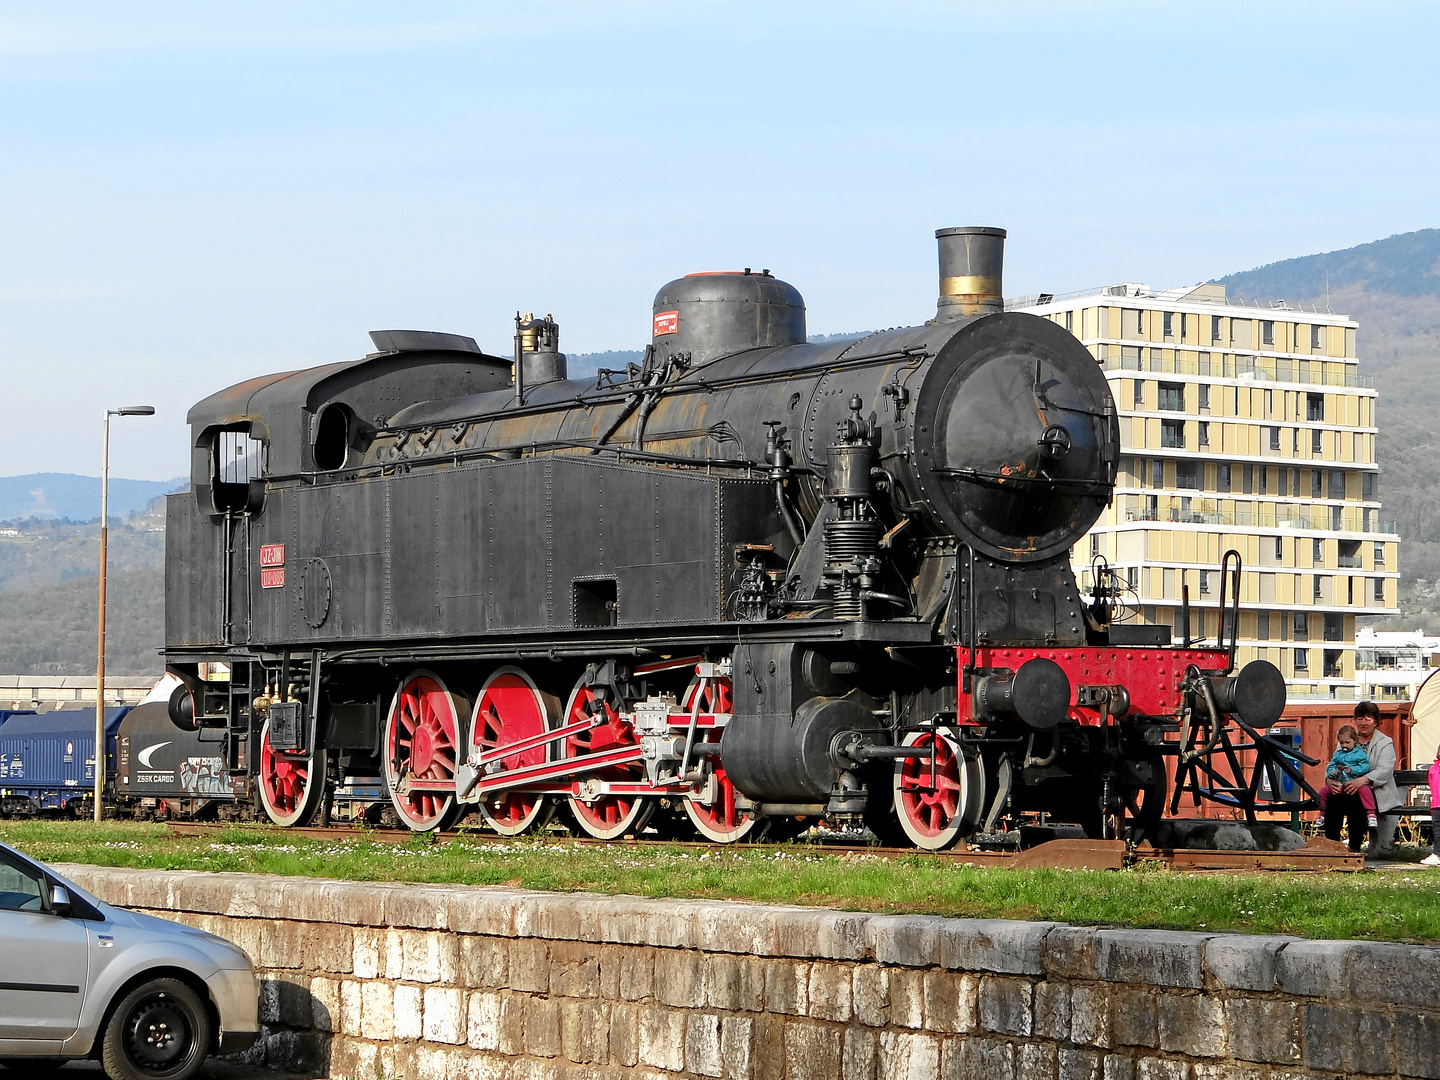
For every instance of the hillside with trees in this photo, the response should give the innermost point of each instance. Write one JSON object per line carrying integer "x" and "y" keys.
{"x": 49, "y": 592}
{"x": 1392, "y": 289}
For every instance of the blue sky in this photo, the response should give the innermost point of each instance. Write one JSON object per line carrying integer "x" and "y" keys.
{"x": 192, "y": 194}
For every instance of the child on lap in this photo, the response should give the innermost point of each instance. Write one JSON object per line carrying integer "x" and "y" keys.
{"x": 1348, "y": 762}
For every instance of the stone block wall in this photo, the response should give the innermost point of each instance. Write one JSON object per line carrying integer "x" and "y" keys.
{"x": 454, "y": 982}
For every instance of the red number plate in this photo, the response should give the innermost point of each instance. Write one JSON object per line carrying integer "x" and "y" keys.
{"x": 272, "y": 554}
{"x": 667, "y": 322}
{"x": 273, "y": 578}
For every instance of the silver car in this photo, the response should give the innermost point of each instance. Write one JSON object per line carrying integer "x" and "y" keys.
{"x": 147, "y": 998}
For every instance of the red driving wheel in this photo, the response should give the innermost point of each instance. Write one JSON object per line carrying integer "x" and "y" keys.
{"x": 420, "y": 745}
{"x": 604, "y": 816}
{"x": 510, "y": 707}
{"x": 712, "y": 811}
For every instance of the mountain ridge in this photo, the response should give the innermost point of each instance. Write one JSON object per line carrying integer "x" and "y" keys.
{"x": 76, "y": 497}
{"x": 1402, "y": 264}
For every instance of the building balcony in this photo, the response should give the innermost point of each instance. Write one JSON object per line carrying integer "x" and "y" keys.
{"x": 1265, "y": 519}
{"x": 1301, "y": 372}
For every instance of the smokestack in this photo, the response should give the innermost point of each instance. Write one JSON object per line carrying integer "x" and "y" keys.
{"x": 972, "y": 261}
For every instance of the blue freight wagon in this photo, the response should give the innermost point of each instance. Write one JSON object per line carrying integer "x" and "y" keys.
{"x": 47, "y": 760}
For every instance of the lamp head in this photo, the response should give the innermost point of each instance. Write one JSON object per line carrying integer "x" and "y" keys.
{"x": 136, "y": 410}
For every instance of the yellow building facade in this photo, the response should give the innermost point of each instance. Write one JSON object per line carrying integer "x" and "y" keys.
{"x": 1244, "y": 427}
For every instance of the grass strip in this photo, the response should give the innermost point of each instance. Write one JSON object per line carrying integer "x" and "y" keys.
{"x": 1402, "y": 906}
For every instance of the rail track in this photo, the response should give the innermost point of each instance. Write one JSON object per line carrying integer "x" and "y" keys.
{"x": 1317, "y": 855}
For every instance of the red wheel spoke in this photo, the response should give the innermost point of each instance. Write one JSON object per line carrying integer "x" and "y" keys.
{"x": 508, "y": 709}
{"x": 930, "y": 793}
{"x": 422, "y": 721}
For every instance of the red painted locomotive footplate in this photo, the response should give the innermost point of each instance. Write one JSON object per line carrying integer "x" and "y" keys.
{"x": 1151, "y": 674}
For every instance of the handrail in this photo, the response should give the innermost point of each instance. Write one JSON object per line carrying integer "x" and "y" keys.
{"x": 1130, "y": 292}
{"x": 1218, "y": 370}
{"x": 1349, "y": 522}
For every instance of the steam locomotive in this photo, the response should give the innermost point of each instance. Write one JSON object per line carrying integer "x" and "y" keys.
{"x": 748, "y": 584}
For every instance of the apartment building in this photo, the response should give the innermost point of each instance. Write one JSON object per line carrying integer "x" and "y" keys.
{"x": 1391, "y": 665}
{"x": 1248, "y": 427}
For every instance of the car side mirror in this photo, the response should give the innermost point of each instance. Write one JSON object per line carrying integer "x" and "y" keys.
{"x": 60, "y": 901}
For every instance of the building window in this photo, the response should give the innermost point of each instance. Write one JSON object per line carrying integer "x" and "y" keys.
{"x": 1172, "y": 397}
{"x": 1279, "y": 547}
{"x": 1302, "y": 659}
{"x": 1367, "y": 486}
{"x": 1204, "y": 582}
{"x": 1267, "y": 332}
{"x": 1203, "y": 391}
{"x": 1349, "y": 591}
{"x": 1269, "y": 402}
{"x": 1214, "y": 327}
{"x": 1317, "y": 553}
{"x": 1334, "y": 627}
{"x": 1172, "y": 434}
{"x": 1187, "y": 473}
{"x": 1284, "y": 477}
{"x": 1274, "y": 437}
{"x": 1152, "y": 508}
{"x": 1094, "y": 544}
{"x": 1301, "y": 626}
{"x": 1337, "y": 483}
{"x": 1349, "y": 553}
{"x": 1337, "y": 520}
{"x": 1314, "y": 339}
{"x": 1140, "y": 324}
{"x": 1321, "y": 581}
{"x": 1169, "y": 327}
{"x": 1332, "y": 664}
{"x": 1070, "y": 321}
{"x": 1379, "y": 590}
{"x": 1379, "y": 554}
{"x": 1139, "y": 396}
{"x": 1262, "y": 626}
{"x": 1314, "y": 407}
{"x": 1247, "y": 478}
{"x": 1222, "y": 477}
{"x": 1204, "y": 433}
{"x": 1317, "y": 484}
{"x": 1157, "y": 473}
{"x": 1132, "y": 576}
{"x": 1315, "y": 441}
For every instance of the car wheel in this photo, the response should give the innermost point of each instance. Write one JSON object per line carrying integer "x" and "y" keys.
{"x": 159, "y": 1031}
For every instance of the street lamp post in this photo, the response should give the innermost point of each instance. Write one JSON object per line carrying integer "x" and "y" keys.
{"x": 124, "y": 410}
